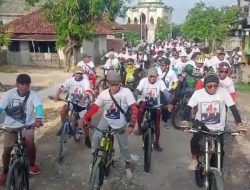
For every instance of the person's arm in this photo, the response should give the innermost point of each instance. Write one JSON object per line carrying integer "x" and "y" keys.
{"x": 4, "y": 102}
{"x": 236, "y": 114}
{"x": 38, "y": 108}
{"x": 199, "y": 85}
{"x": 91, "y": 112}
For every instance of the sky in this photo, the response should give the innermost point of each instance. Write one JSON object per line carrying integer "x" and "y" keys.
{"x": 181, "y": 7}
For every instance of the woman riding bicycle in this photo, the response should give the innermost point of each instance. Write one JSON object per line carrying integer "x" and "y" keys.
{"x": 211, "y": 102}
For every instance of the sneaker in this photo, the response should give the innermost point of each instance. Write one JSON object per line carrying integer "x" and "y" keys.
{"x": 3, "y": 179}
{"x": 193, "y": 165}
{"x": 34, "y": 170}
{"x": 128, "y": 170}
{"x": 88, "y": 142}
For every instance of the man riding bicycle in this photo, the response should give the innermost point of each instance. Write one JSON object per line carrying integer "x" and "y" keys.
{"x": 19, "y": 104}
{"x": 89, "y": 69}
{"x": 78, "y": 88}
{"x": 209, "y": 100}
{"x": 149, "y": 88}
{"x": 113, "y": 117}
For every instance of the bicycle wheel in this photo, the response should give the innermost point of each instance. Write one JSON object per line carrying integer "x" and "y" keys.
{"x": 63, "y": 140}
{"x": 215, "y": 181}
{"x": 176, "y": 117}
{"x": 108, "y": 161}
{"x": 199, "y": 175}
{"x": 18, "y": 176}
{"x": 148, "y": 141}
{"x": 102, "y": 85}
{"x": 97, "y": 175}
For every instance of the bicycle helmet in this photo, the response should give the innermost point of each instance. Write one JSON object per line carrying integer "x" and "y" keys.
{"x": 200, "y": 59}
{"x": 78, "y": 70}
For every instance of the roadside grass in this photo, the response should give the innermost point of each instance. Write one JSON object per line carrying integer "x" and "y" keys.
{"x": 8, "y": 69}
{"x": 243, "y": 87}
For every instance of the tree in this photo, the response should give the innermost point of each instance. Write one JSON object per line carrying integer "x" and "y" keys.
{"x": 176, "y": 31}
{"x": 74, "y": 21}
{"x": 162, "y": 29}
{"x": 208, "y": 24}
{"x": 4, "y": 39}
{"x": 133, "y": 38}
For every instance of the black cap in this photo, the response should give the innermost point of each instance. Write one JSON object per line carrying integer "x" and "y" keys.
{"x": 23, "y": 79}
{"x": 211, "y": 77}
{"x": 164, "y": 60}
{"x": 130, "y": 60}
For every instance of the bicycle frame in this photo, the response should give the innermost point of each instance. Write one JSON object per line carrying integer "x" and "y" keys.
{"x": 212, "y": 145}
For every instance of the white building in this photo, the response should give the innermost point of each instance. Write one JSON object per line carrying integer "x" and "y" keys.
{"x": 147, "y": 12}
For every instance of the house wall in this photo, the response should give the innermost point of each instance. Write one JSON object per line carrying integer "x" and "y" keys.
{"x": 231, "y": 43}
{"x": 25, "y": 57}
{"x": 3, "y": 57}
{"x": 96, "y": 48}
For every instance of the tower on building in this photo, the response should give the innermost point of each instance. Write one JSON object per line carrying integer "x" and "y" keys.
{"x": 146, "y": 12}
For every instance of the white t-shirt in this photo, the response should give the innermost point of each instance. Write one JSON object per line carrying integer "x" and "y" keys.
{"x": 111, "y": 113}
{"x": 111, "y": 63}
{"x": 77, "y": 90}
{"x": 180, "y": 66}
{"x": 215, "y": 62}
{"x": 87, "y": 67}
{"x": 151, "y": 91}
{"x": 228, "y": 84}
{"x": 11, "y": 99}
{"x": 170, "y": 78}
{"x": 173, "y": 61}
{"x": 211, "y": 108}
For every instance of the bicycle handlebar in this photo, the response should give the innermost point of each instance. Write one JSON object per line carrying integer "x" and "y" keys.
{"x": 214, "y": 133}
{"x": 103, "y": 131}
{"x": 27, "y": 127}
{"x": 63, "y": 100}
{"x": 157, "y": 107}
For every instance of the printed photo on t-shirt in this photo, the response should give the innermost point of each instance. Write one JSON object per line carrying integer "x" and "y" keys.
{"x": 151, "y": 96}
{"x": 16, "y": 102}
{"x": 77, "y": 94}
{"x": 210, "y": 112}
{"x": 112, "y": 112}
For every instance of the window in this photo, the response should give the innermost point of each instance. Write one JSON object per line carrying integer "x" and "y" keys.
{"x": 42, "y": 47}
{"x": 135, "y": 21}
{"x": 14, "y": 46}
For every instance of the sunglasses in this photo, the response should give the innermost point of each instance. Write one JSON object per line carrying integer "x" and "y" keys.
{"x": 129, "y": 63}
{"x": 223, "y": 71}
{"x": 210, "y": 86}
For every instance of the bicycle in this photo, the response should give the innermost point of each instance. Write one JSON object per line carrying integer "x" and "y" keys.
{"x": 71, "y": 123}
{"x": 102, "y": 158}
{"x": 208, "y": 173}
{"x": 3, "y": 87}
{"x": 148, "y": 130}
{"x": 179, "y": 108}
{"x": 103, "y": 83}
{"x": 18, "y": 174}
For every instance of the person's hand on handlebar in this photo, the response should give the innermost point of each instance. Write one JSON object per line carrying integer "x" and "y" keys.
{"x": 185, "y": 125}
{"x": 242, "y": 129}
{"x": 130, "y": 129}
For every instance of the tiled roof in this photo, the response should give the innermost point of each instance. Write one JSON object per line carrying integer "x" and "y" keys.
{"x": 17, "y": 7}
{"x": 34, "y": 24}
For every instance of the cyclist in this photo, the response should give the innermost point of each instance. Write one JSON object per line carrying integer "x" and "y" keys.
{"x": 168, "y": 76}
{"x": 149, "y": 88}
{"x": 27, "y": 102}
{"x": 131, "y": 74}
{"x": 78, "y": 88}
{"x": 141, "y": 59}
{"x": 89, "y": 68}
{"x": 113, "y": 117}
{"x": 194, "y": 71}
{"x": 225, "y": 81}
{"x": 216, "y": 60}
{"x": 112, "y": 62}
{"x": 208, "y": 100}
